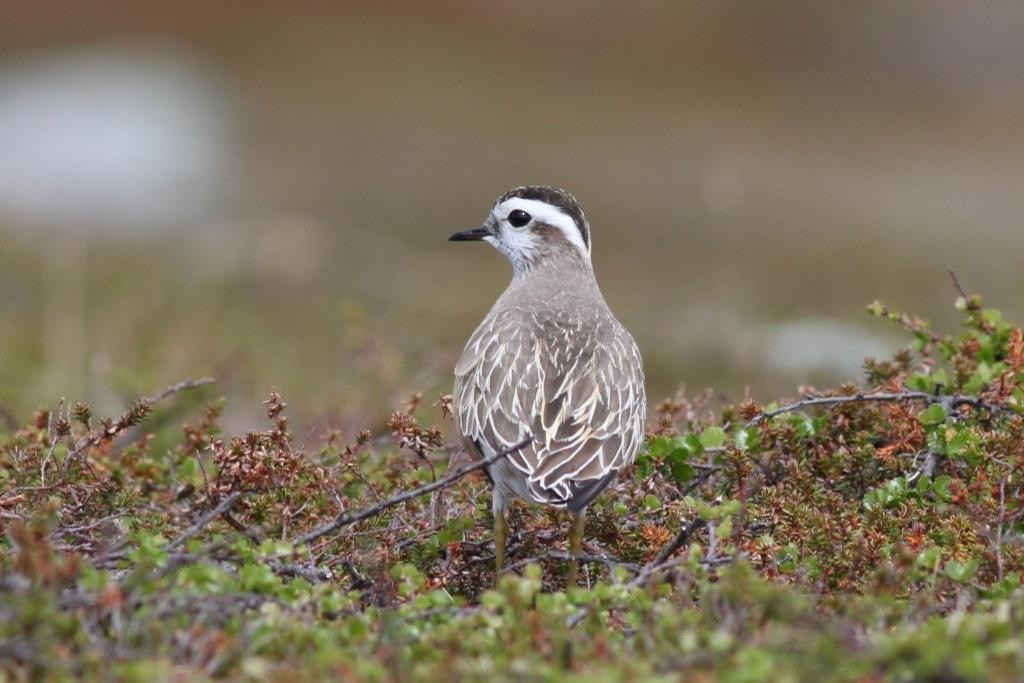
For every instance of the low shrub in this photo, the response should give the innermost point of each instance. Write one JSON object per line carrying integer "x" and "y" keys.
{"x": 869, "y": 532}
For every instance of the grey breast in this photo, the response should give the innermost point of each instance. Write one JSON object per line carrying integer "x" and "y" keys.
{"x": 551, "y": 360}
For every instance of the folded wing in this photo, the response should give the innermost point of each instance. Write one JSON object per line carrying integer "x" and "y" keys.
{"x": 579, "y": 392}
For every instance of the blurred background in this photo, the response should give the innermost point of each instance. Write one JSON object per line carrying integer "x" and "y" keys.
{"x": 262, "y": 191}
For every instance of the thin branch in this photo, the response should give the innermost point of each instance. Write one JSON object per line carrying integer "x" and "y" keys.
{"x": 948, "y": 402}
{"x": 54, "y": 439}
{"x": 358, "y": 580}
{"x": 927, "y": 468}
{"x": 656, "y": 565}
{"x": 648, "y": 571}
{"x": 240, "y": 528}
{"x": 309, "y": 572}
{"x": 675, "y": 544}
{"x": 184, "y": 385}
{"x": 609, "y": 562}
{"x": 346, "y": 519}
{"x": 87, "y": 527}
{"x": 101, "y": 434}
{"x": 213, "y": 514}
{"x": 999, "y": 527}
{"x": 202, "y": 468}
{"x": 959, "y": 288}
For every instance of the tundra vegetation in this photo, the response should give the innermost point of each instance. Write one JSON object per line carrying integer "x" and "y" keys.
{"x": 869, "y": 532}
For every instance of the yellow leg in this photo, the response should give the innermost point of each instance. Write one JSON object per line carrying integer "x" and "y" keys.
{"x": 500, "y": 533}
{"x": 575, "y": 545}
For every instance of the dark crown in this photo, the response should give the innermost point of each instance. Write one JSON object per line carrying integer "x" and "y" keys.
{"x": 556, "y": 197}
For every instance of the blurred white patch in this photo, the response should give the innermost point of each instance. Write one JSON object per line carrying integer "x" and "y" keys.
{"x": 817, "y": 345}
{"x": 111, "y": 139}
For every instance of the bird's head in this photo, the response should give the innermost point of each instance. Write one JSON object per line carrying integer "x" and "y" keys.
{"x": 533, "y": 226}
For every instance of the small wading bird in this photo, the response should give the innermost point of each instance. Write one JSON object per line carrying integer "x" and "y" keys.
{"x": 550, "y": 362}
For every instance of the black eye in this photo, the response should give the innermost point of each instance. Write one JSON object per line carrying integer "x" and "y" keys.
{"x": 518, "y": 218}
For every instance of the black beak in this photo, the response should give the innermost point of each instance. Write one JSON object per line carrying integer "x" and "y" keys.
{"x": 472, "y": 235}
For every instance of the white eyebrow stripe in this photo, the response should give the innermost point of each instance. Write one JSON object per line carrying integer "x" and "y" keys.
{"x": 545, "y": 213}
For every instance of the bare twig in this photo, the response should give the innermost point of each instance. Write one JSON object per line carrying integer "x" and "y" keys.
{"x": 213, "y": 514}
{"x": 309, "y": 572}
{"x": 702, "y": 476}
{"x": 959, "y": 288}
{"x": 609, "y": 562}
{"x": 927, "y": 468}
{"x": 948, "y": 402}
{"x": 240, "y": 528}
{"x": 358, "y": 473}
{"x": 358, "y": 580}
{"x": 54, "y": 439}
{"x": 650, "y": 570}
{"x": 202, "y": 468}
{"x": 999, "y": 527}
{"x": 660, "y": 562}
{"x": 184, "y": 385}
{"x": 87, "y": 527}
{"x": 676, "y": 543}
{"x": 109, "y": 433}
{"x": 346, "y": 519}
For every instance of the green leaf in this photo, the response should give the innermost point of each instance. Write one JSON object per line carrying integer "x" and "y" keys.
{"x": 724, "y": 528}
{"x": 258, "y": 578}
{"x": 786, "y": 557}
{"x": 961, "y": 572}
{"x": 188, "y": 470}
{"x": 692, "y": 443}
{"x": 804, "y": 425}
{"x": 888, "y": 495}
{"x": 329, "y": 457}
{"x": 937, "y": 441}
{"x": 642, "y": 466}
{"x": 682, "y": 472}
{"x": 408, "y": 578}
{"x": 993, "y": 316}
{"x": 678, "y": 465}
{"x": 988, "y": 372}
{"x": 812, "y": 567}
{"x": 747, "y": 439}
{"x": 933, "y": 415}
{"x": 921, "y": 382}
{"x": 929, "y": 558}
{"x": 1002, "y": 589}
{"x": 492, "y": 599}
{"x": 962, "y": 443}
{"x": 941, "y": 488}
{"x": 660, "y": 446}
{"x": 713, "y": 437}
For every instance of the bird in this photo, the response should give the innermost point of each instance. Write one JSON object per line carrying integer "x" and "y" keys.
{"x": 550, "y": 365}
